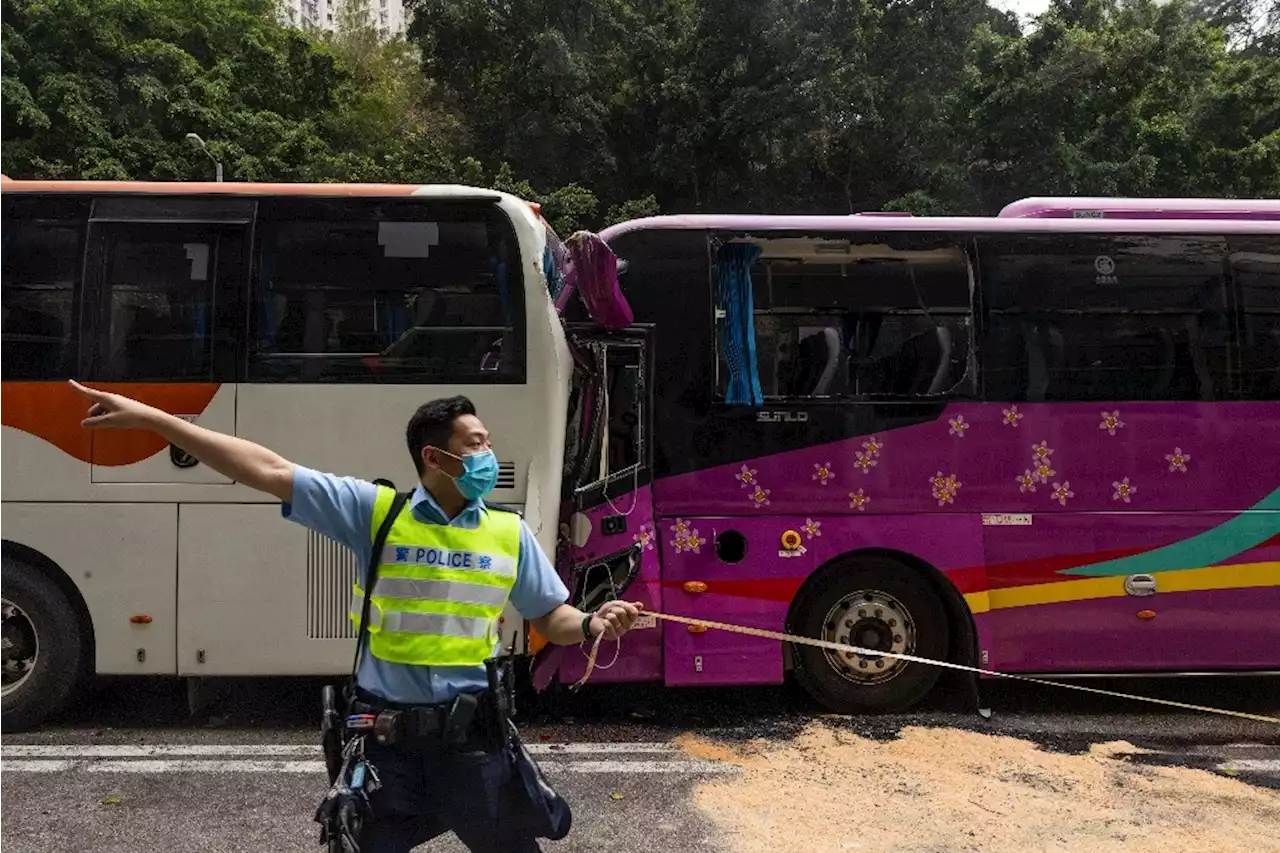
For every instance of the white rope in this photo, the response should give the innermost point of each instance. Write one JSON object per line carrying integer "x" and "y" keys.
{"x": 595, "y": 652}
{"x": 864, "y": 652}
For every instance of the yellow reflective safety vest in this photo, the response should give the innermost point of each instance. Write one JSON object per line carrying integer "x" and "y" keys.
{"x": 439, "y": 589}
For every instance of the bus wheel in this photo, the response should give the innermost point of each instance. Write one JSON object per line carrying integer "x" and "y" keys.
{"x": 43, "y": 648}
{"x": 879, "y": 604}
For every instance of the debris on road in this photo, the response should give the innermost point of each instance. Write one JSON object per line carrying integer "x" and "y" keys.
{"x": 955, "y": 790}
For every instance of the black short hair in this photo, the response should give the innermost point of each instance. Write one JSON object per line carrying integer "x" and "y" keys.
{"x": 432, "y": 425}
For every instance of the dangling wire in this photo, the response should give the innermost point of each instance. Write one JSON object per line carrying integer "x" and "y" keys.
{"x": 635, "y": 474}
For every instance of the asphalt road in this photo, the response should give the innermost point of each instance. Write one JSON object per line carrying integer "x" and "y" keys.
{"x": 132, "y": 770}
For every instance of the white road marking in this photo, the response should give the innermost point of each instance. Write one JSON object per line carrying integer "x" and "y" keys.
{"x": 624, "y": 767}
{"x": 1252, "y": 765}
{"x": 248, "y": 765}
{"x": 609, "y": 758}
{"x": 195, "y": 765}
{"x": 612, "y": 748}
{"x": 158, "y": 750}
{"x": 285, "y": 750}
{"x": 47, "y": 766}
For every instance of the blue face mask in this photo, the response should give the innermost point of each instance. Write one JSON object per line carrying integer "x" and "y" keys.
{"x": 479, "y": 474}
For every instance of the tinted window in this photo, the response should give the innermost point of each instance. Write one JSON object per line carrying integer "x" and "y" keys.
{"x": 43, "y": 260}
{"x": 888, "y": 322}
{"x": 158, "y": 306}
{"x": 1255, "y": 265}
{"x": 1105, "y": 318}
{"x": 388, "y": 291}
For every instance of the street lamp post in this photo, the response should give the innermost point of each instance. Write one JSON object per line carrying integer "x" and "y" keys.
{"x": 194, "y": 140}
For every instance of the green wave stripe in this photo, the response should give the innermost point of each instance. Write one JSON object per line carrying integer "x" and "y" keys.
{"x": 1234, "y": 536}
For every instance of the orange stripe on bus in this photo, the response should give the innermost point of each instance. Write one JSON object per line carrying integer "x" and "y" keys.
{"x": 53, "y": 411}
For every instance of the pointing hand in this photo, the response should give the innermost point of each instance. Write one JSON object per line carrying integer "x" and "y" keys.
{"x": 113, "y": 410}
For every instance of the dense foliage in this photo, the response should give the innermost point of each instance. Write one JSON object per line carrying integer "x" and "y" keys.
{"x": 608, "y": 109}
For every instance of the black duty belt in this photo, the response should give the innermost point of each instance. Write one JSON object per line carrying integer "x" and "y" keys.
{"x": 409, "y": 722}
{"x": 391, "y": 722}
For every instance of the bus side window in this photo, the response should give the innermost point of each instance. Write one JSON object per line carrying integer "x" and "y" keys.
{"x": 1104, "y": 317}
{"x": 893, "y": 322}
{"x": 386, "y": 290}
{"x": 1255, "y": 266}
{"x": 157, "y": 303}
{"x": 43, "y": 259}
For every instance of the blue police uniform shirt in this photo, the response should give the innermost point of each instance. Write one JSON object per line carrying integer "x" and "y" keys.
{"x": 342, "y": 509}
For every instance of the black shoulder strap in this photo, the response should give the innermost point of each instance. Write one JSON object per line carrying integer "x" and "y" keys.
{"x": 371, "y": 577}
{"x": 503, "y": 508}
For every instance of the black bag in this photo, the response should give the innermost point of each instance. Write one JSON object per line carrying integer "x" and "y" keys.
{"x": 533, "y": 808}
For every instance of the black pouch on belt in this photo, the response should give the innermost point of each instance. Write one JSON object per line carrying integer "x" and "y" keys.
{"x": 457, "y": 726}
{"x": 530, "y": 805}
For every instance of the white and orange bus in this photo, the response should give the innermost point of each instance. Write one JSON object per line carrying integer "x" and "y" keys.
{"x": 313, "y": 319}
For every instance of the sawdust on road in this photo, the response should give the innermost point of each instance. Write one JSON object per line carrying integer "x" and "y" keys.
{"x": 952, "y": 791}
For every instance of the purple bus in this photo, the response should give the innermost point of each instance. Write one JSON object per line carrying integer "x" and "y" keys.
{"x": 1033, "y": 443}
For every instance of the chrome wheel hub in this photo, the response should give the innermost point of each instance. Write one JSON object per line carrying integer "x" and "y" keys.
{"x": 19, "y": 647}
{"x": 875, "y": 621}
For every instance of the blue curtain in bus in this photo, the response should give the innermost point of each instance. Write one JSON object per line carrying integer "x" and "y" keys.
{"x": 555, "y": 280}
{"x": 738, "y": 327}
{"x": 394, "y": 319}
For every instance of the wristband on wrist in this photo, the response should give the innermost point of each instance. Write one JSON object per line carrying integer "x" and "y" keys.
{"x": 586, "y": 627}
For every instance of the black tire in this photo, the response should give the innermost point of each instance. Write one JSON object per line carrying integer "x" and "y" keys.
{"x": 822, "y": 679}
{"x": 62, "y": 651}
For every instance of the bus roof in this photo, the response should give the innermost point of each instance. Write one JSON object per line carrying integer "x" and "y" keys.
{"x": 245, "y": 188}
{"x": 1066, "y": 207}
{"x": 759, "y": 223}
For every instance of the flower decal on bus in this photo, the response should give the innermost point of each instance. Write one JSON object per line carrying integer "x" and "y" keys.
{"x": 858, "y": 500}
{"x": 1061, "y": 492}
{"x": 759, "y": 497}
{"x": 822, "y": 472}
{"x": 945, "y": 488}
{"x": 1012, "y": 416}
{"x": 865, "y": 461}
{"x": 1111, "y": 422}
{"x": 873, "y": 446}
{"x": 812, "y": 528}
{"x": 958, "y": 426}
{"x": 747, "y": 476}
{"x": 1040, "y": 471}
{"x": 1124, "y": 490}
{"x": 686, "y": 537}
{"x": 1178, "y": 460}
{"x": 644, "y": 538}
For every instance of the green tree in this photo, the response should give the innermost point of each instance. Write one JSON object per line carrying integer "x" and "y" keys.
{"x": 109, "y": 88}
{"x": 1105, "y": 98}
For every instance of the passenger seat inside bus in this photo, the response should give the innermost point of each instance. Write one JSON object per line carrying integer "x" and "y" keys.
{"x": 33, "y": 343}
{"x": 817, "y": 362}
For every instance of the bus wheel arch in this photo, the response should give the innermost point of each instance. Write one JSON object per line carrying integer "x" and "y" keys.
{"x": 49, "y": 638}
{"x": 860, "y": 598}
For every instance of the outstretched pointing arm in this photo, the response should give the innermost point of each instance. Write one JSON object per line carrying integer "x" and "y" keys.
{"x": 243, "y": 461}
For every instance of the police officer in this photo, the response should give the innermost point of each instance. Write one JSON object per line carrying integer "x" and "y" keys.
{"x": 418, "y": 658}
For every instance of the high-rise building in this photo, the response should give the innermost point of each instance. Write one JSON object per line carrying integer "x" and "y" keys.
{"x": 387, "y": 15}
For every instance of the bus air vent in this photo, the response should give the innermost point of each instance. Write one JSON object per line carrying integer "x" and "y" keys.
{"x": 506, "y": 476}
{"x": 331, "y": 573}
